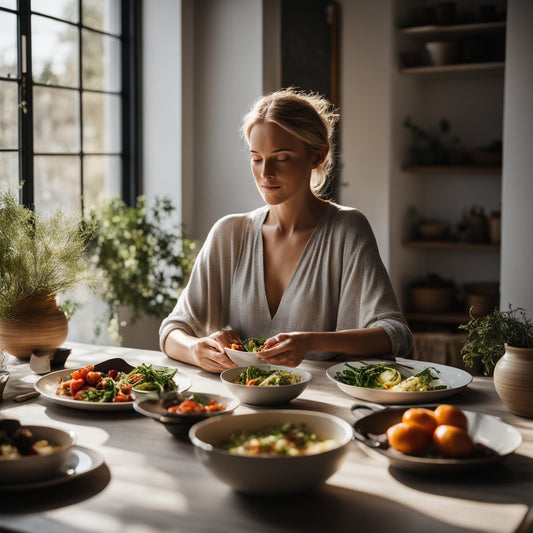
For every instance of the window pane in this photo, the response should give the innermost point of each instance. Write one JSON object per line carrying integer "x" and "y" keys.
{"x": 8, "y": 114}
{"x": 101, "y": 15}
{"x": 61, "y": 9}
{"x": 101, "y": 179}
{"x": 101, "y": 123}
{"x": 54, "y": 52}
{"x": 56, "y": 122}
{"x": 9, "y": 171}
{"x": 11, "y": 4}
{"x": 101, "y": 62}
{"x": 8, "y": 45}
{"x": 57, "y": 183}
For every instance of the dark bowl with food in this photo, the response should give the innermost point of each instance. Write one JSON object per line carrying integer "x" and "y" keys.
{"x": 179, "y": 411}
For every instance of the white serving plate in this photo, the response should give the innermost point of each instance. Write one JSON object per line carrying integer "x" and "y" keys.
{"x": 82, "y": 461}
{"x": 456, "y": 378}
{"x": 47, "y": 386}
{"x": 484, "y": 429}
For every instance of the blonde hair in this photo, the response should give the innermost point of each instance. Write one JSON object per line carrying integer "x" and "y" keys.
{"x": 308, "y": 116}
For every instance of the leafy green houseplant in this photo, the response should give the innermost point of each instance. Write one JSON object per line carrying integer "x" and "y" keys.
{"x": 486, "y": 336}
{"x": 41, "y": 258}
{"x": 143, "y": 259}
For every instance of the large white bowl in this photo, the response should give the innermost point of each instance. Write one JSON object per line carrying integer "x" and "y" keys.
{"x": 270, "y": 475}
{"x": 38, "y": 467}
{"x": 269, "y": 395}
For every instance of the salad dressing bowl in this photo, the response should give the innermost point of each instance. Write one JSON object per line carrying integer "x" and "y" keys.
{"x": 265, "y": 395}
{"x": 178, "y": 424}
{"x": 267, "y": 474}
{"x": 30, "y": 468}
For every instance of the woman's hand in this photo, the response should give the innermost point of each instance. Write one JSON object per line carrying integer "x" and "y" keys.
{"x": 286, "y": 349}
{"x": 208, "y": 352}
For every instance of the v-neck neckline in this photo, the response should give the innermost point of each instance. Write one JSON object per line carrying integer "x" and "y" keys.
{"x": 296, "y": 273}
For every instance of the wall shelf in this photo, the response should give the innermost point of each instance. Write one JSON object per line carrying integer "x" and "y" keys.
{"x": 438, "y": 318}
{"x": 452, "y": 245}
{"x": 454, "y": 30}
{"x": 488, "y": 67}
{"x": 451, "y": 169}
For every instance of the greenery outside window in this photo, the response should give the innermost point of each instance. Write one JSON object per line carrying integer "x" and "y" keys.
{"x": 69, "y": 101}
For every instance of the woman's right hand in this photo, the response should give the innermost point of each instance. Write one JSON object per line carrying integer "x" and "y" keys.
{"x": 209, "y": 354}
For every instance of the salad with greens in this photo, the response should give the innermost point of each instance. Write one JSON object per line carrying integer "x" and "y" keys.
{"x": 90, "y": 385}
{"x": 257, "y": 377}
{"x": 382, "y": 376}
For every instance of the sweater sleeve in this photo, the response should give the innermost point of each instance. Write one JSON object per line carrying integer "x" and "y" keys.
{"x": 202, "y": 307}
{"x": 367, "y": 297}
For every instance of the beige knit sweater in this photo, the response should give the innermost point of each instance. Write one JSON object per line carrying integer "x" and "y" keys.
{"x": 339, "y": 283}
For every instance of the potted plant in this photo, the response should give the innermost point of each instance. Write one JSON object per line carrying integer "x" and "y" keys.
{"x": 143, "y": 260}
{"x": 40, "y": 258}
{"x": 428, "y": 148}
{"x": 504, "y": 342}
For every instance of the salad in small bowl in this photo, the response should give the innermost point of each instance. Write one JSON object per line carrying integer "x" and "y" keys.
{"x": 265, "y": 384}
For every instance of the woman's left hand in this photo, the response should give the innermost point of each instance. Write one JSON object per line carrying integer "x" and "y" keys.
{"x": 285, "y": 349}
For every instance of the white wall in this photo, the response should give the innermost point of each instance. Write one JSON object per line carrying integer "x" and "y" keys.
{"x": 366, "y": 112}
{"x": 517, "y": 193}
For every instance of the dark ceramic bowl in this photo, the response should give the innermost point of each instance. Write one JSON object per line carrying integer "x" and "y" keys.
{"x": 176, "y": 423}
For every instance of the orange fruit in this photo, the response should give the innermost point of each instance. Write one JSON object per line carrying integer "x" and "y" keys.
{"x": 452, "y": 441}
{"x": 421, "y": 417}
{"x": 451, "y": 416}
{"x": 407, "y": 438}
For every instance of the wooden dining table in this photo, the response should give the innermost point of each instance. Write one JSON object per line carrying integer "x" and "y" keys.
{"x": 150, "y": 481}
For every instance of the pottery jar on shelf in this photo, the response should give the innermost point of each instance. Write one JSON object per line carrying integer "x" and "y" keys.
{"x": 513, "y": 380}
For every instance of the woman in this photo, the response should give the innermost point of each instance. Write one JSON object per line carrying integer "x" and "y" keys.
{"x": 302, "y": 271}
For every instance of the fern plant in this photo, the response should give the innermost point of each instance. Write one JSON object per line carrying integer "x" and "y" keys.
{"x": 486, "y": 336}
{"x": 39, "y": 256}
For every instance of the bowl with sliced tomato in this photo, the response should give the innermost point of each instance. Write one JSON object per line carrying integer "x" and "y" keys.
{"x": 179, "y": 411}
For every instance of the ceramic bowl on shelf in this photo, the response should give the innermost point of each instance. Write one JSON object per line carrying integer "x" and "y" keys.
{"x": 432, "y": 231}
{"x": 271, "y": 474}
{"x": 443, "y": 52}
{"x": 432, "y": 299}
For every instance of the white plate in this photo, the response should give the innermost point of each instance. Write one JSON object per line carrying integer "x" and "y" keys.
{"x": 484, "y": 429}
{"x": 47, "y": 386}
{"x": 455, "y": 378}
{"x": 82, "y": 461}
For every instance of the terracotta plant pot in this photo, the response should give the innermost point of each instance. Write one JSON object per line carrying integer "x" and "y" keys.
{"x": 40, "y": 325}
{"x": 513, "y": 380}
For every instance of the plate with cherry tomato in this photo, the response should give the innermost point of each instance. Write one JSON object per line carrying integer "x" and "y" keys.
{"x": 108, "y": 385}
{"x": 442, "y": 439}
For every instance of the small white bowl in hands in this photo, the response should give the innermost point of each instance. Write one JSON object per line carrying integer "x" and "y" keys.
{"x": 243, "y": 358}
{"x": 29, "y": 468}
{"x": 268, "y": 395}
{"x": 271, "y": 474}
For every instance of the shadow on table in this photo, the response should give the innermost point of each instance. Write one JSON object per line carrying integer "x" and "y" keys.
{"x": 46, "y": 498}
{"x": 508, "y": 482}
{"x": 331, "y": 508}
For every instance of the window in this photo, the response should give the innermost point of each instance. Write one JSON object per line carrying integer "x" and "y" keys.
{"x": 69, "y": 95}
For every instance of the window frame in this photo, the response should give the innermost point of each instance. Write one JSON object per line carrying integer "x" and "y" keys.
{"x": 130, "y": 93}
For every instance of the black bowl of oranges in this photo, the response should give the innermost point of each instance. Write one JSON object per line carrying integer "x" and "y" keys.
{"x": 442, "y": 439}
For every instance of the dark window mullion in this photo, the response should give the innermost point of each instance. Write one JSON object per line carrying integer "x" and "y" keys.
{"x": 80, "y": 101}
{"x": 26, "y": 194}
